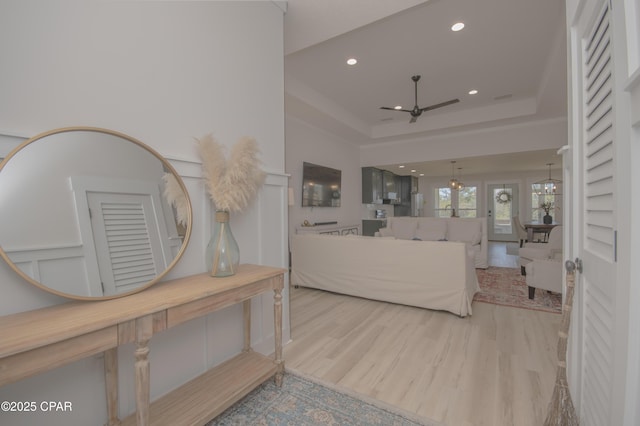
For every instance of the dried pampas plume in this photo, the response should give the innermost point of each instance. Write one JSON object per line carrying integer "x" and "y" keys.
{"x": 175, "y": 196}
{"x": 231, "y": 183}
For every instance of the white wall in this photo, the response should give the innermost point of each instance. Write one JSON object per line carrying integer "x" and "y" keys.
{"x": 307, "y": 143}
{"x": 162, "y": 72}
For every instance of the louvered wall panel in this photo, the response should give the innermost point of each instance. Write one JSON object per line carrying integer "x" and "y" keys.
{"x": 599, "y": 222}
{"x": 128, "y": 243}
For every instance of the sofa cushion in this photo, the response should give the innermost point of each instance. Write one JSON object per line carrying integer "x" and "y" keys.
{"x": 431, "y": 229}
{"x": 404, "y": 227}
{"x": 464, "y": 230}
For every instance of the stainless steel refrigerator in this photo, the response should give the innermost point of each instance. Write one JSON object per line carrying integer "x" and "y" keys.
{"x": 410, "y": 208}
{"x": 417, "y": 204}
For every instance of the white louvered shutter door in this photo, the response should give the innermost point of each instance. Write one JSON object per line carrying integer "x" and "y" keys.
{"x": 598, "y": 217}
{"x": 128, "y": 254}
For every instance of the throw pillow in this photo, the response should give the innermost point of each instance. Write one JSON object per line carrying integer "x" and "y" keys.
{"x": 404, "y": 228}
{"x": 431, "y": 229}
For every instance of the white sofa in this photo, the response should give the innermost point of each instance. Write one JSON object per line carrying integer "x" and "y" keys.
{"x": 427, "y": 274}
{"x": 472, "y": 231}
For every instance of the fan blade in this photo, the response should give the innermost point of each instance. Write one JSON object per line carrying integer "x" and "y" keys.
{"x": 440, "y": 105}
{"x": 393, "y": 109}
{"x": 414, "y": 118}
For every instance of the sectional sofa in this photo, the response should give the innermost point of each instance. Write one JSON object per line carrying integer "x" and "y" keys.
{"x": 471, "y": 231}
{"x": 437, "y": 275}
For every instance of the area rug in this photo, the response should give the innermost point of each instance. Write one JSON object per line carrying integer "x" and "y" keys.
{"x": 507, "y": 287}
{"x": 303, "y": 401}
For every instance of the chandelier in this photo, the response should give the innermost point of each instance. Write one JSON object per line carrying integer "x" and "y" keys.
{"x": 548, "y": 186}
{"x": 453, "y": 182}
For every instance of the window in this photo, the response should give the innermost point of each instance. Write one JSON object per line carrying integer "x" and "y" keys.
{"x": 443, "y": 202}
{"x": 538, "y": 196}
{"x": 463, "y": 201}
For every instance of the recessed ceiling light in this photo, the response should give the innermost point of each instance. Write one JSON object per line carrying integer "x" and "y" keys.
{"x": 473, "y": 92}
{"x": 401, "y": 167}
{"x": 413, "y": 170}
{"x": 457, "y": 26}
{"x": 352, "y": 61}
{"x": 397, "y": 107}
{"x": 421, "y": 174}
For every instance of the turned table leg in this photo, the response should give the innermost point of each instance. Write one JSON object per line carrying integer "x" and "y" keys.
{"x": 277, "y": 318}
{"x": 246, "y": 313}
{"x": 111, "y": 382}
{"x": 144, "y": 330}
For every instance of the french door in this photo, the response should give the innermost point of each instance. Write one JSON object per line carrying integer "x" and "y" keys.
{"x": 502, "y": 205}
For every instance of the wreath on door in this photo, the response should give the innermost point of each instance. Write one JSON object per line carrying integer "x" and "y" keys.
{"x": 503, "y": 197}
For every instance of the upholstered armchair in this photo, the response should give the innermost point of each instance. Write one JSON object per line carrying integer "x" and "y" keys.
{"x": 549, "y": 250}
{"x": 545, "y": 274}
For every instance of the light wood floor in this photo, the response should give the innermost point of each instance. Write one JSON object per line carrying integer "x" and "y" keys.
{"x": 496, "y": 367}
{"x": 498, "y": 255}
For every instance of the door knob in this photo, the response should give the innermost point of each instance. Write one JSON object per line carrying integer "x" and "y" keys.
{"x": 571, "y": 265}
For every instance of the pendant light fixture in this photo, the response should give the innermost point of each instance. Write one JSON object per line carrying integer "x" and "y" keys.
{"x": 453, "y": 182}
{"x": 460, "y": 184}
{"x": 548, "y": 186}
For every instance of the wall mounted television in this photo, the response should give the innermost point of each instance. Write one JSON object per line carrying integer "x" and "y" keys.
{"x": 320, "y": 186}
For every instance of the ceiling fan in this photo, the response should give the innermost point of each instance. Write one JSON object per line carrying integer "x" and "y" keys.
{"x": 417, "y": 111}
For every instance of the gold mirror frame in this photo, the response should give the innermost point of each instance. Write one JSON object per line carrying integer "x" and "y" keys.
{"x": 31, "y": 143}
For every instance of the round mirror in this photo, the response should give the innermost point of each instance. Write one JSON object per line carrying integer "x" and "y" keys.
{"x": 90, "y": 213}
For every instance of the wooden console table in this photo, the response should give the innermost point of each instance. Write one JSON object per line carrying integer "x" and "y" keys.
{"x": 37, "y": 341}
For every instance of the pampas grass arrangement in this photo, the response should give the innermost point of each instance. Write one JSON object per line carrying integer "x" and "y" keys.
{"x": 175, "y": 196}
{"x": 231, "y": 182}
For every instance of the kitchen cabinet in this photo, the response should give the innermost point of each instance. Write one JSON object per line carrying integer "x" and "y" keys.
{"x": 409, "y": 204}
{"x": 371, "y": 226}
{"x": 382, "y": 184}
{"x": 391, "y": 185}
{"x": 405, "y": 189}
{"x": 372, "y": 190}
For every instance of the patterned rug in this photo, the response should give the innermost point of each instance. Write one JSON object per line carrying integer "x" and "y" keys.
{"x": 303, "y": 401}
{"x": 505, "y": 286}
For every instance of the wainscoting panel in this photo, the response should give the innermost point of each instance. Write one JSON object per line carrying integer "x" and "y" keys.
{"x": 57, "y": 267}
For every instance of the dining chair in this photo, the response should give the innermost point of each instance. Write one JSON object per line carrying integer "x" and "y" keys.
{"x": 521, "y": 231}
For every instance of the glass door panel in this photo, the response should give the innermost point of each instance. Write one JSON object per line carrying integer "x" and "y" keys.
{"x": 503, "y": 202}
